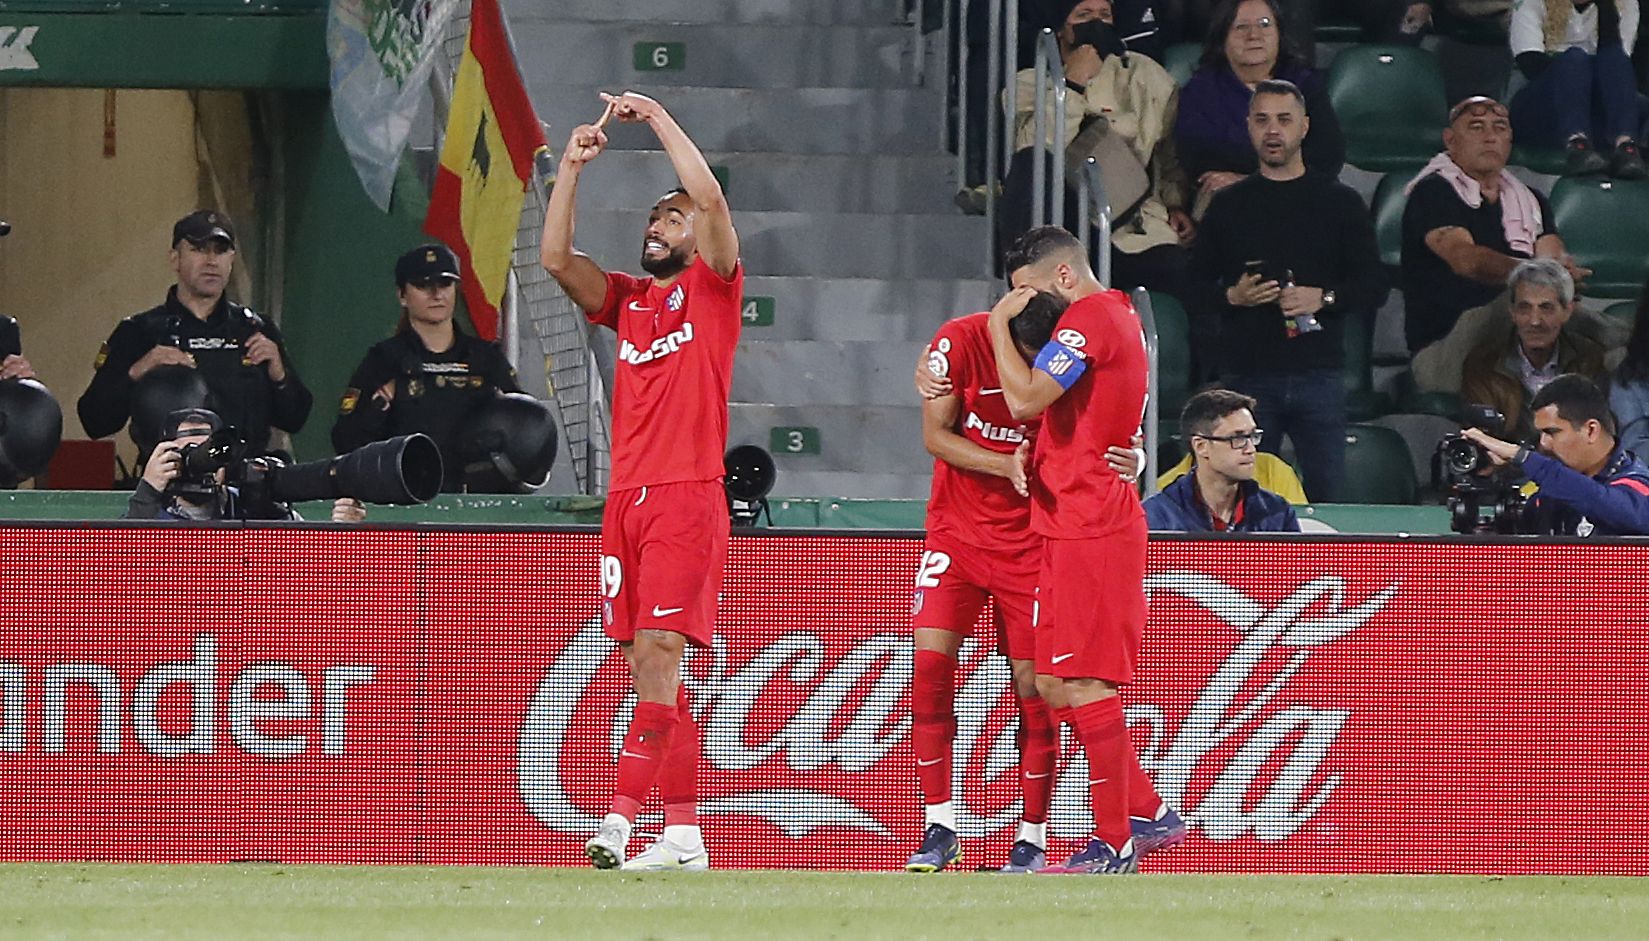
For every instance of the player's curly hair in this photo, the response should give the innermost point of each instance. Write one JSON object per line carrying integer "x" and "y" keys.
{"x": 1033, "y": 327}
{"x": 1040, "y": 244}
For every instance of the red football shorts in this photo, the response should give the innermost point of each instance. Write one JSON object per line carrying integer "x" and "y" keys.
{"x": 663, "y": 549}
{"x": 954, "y": 579}
{"x": 1090, "y": 612}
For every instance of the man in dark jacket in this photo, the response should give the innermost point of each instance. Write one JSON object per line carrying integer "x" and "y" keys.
{"x": 1220, "y": 495}
{"x": 239, "y": 354}
{"x": 1589, "y": 485}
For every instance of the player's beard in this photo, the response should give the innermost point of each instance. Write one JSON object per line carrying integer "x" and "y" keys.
{"x": 666, "y": 266}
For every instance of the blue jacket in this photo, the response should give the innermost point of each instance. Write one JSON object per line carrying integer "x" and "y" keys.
{"x": 1613, "y": 503}
{"x": 1178, "y": 508}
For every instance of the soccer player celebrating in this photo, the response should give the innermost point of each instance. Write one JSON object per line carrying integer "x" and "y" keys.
{"x": 664, "y": 532}
{"x": 1088, "y": 385}
{"x": 979, "y": 544}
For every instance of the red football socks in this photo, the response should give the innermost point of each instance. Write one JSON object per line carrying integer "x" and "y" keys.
{"x": 678, "y": 777}
{"x": 645, "y": 746}
{"x": 1104, "y": 737}
{"x": 1143, "y": 799}
{"x": 1038, "y": 753}
{"x": 933, "y": 722}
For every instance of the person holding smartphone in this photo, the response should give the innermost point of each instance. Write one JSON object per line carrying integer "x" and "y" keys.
{"x": 1285, "y": 255}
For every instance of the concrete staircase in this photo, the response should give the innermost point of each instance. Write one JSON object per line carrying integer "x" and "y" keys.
{"x": 831, "y": 155}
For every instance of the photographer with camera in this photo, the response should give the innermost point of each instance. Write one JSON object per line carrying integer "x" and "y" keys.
{"x": 239, "y": 354}
{"x": 1589, "y": 485}
{"x": 186, "y": 477}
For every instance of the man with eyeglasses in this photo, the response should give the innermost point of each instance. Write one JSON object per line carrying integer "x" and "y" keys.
{"x": 1220, "y": 495}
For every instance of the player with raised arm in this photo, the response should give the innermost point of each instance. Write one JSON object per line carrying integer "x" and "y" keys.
{"x": 1088, "y": 385}
{"x": 665, "y": 528}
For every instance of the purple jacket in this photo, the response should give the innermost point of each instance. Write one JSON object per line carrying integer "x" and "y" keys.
{"x": 1211, "y": 130}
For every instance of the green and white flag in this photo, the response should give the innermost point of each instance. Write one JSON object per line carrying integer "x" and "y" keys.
{"x": 381, "y": 53}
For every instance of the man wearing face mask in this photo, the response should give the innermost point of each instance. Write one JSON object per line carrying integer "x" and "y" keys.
{"x": 1120, "y": 111}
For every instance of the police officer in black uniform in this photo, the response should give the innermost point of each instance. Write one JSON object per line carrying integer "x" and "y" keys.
{"x": 240, "y": 354}
{"x": 429, "y": 377}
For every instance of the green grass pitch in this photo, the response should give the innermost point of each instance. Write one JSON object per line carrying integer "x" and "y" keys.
{"x": 95, "y": 901}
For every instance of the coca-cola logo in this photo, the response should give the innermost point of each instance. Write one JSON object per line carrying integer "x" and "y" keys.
{"x": 855, "y": 714}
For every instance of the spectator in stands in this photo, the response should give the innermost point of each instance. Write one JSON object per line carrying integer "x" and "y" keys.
{"x": 1589, "y": 485}
{"x": 1245, "y": 47}
{"x": 1532, "y": 347}
{"x": 1582, "y": 93}
{"x": 1285, "y": 254}
{"x": 1121, "y": 112}
{"x": 1270, "y": 472}
{"x": 1468, "y": 222}
{"x": 238, "y": 353}
{"x": 1138, "y": 23}
{"x": 12, "y": 363}
{"x": 1220, "y": 495}
{"x": 1629, "y": 392}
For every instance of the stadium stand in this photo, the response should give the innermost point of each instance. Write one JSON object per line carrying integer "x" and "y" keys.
{"x": 1379, "y": 468}
{"x": 1605, "y": 224}
{"x": 1390, "y": 103}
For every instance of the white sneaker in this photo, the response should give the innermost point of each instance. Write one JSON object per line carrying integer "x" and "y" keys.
{"x": 665, "y": 856}
{"x": 606, "y": 848}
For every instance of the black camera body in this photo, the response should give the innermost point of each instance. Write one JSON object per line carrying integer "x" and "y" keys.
{"x": 399, "y": 471}
{"x": 1481, "y": 498}
{"x": 199, "y": 463}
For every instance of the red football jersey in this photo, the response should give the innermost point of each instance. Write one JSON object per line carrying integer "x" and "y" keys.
{"x": 981, "y": 509}
{"x": 672, "y": 374}
{"x": 1074, "y": 494}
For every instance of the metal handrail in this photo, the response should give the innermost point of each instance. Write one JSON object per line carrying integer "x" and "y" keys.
{"x": 993, "y": 127}
{"x": 960, "y": 27}
{"x": 1047, "y": 50}
{"x": 1010, "y": 75}
{"x": 1092, "y": 192}
{"x": 1148, "y": 323}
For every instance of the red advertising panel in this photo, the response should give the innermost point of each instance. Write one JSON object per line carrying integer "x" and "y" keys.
{"x": 448, "y": 696}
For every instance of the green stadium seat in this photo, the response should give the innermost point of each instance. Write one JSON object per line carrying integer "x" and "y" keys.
{"x": 1180, "y": 59}
{"x": 1547, "y": 160}
{"x": 1338, "y": 31}
{"x": 1389, "y": 200}
{"x": 1363, "y": 402}
{"x": 1391, "y": 104}
{"x": 1379, "y": 468}
{"x": 1624, "y": 313}
{"x": 1173, "y": 354}
{"x": 1171, "y": 448}
{"x": 1605, "y": 225}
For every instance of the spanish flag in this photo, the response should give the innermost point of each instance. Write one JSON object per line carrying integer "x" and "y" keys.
{"x": 493, "y": 136}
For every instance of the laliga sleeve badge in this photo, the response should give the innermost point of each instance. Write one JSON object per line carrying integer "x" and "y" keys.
{"x": 916, "y": 603}
{"x": 352, "y": 398}
{"x": 102, "y": 356}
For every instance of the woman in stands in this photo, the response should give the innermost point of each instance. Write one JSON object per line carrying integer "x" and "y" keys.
{"x": 1582, "y": 93}
{"x": 1629, "y": 393}
{"x": 1245, "y": 47}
